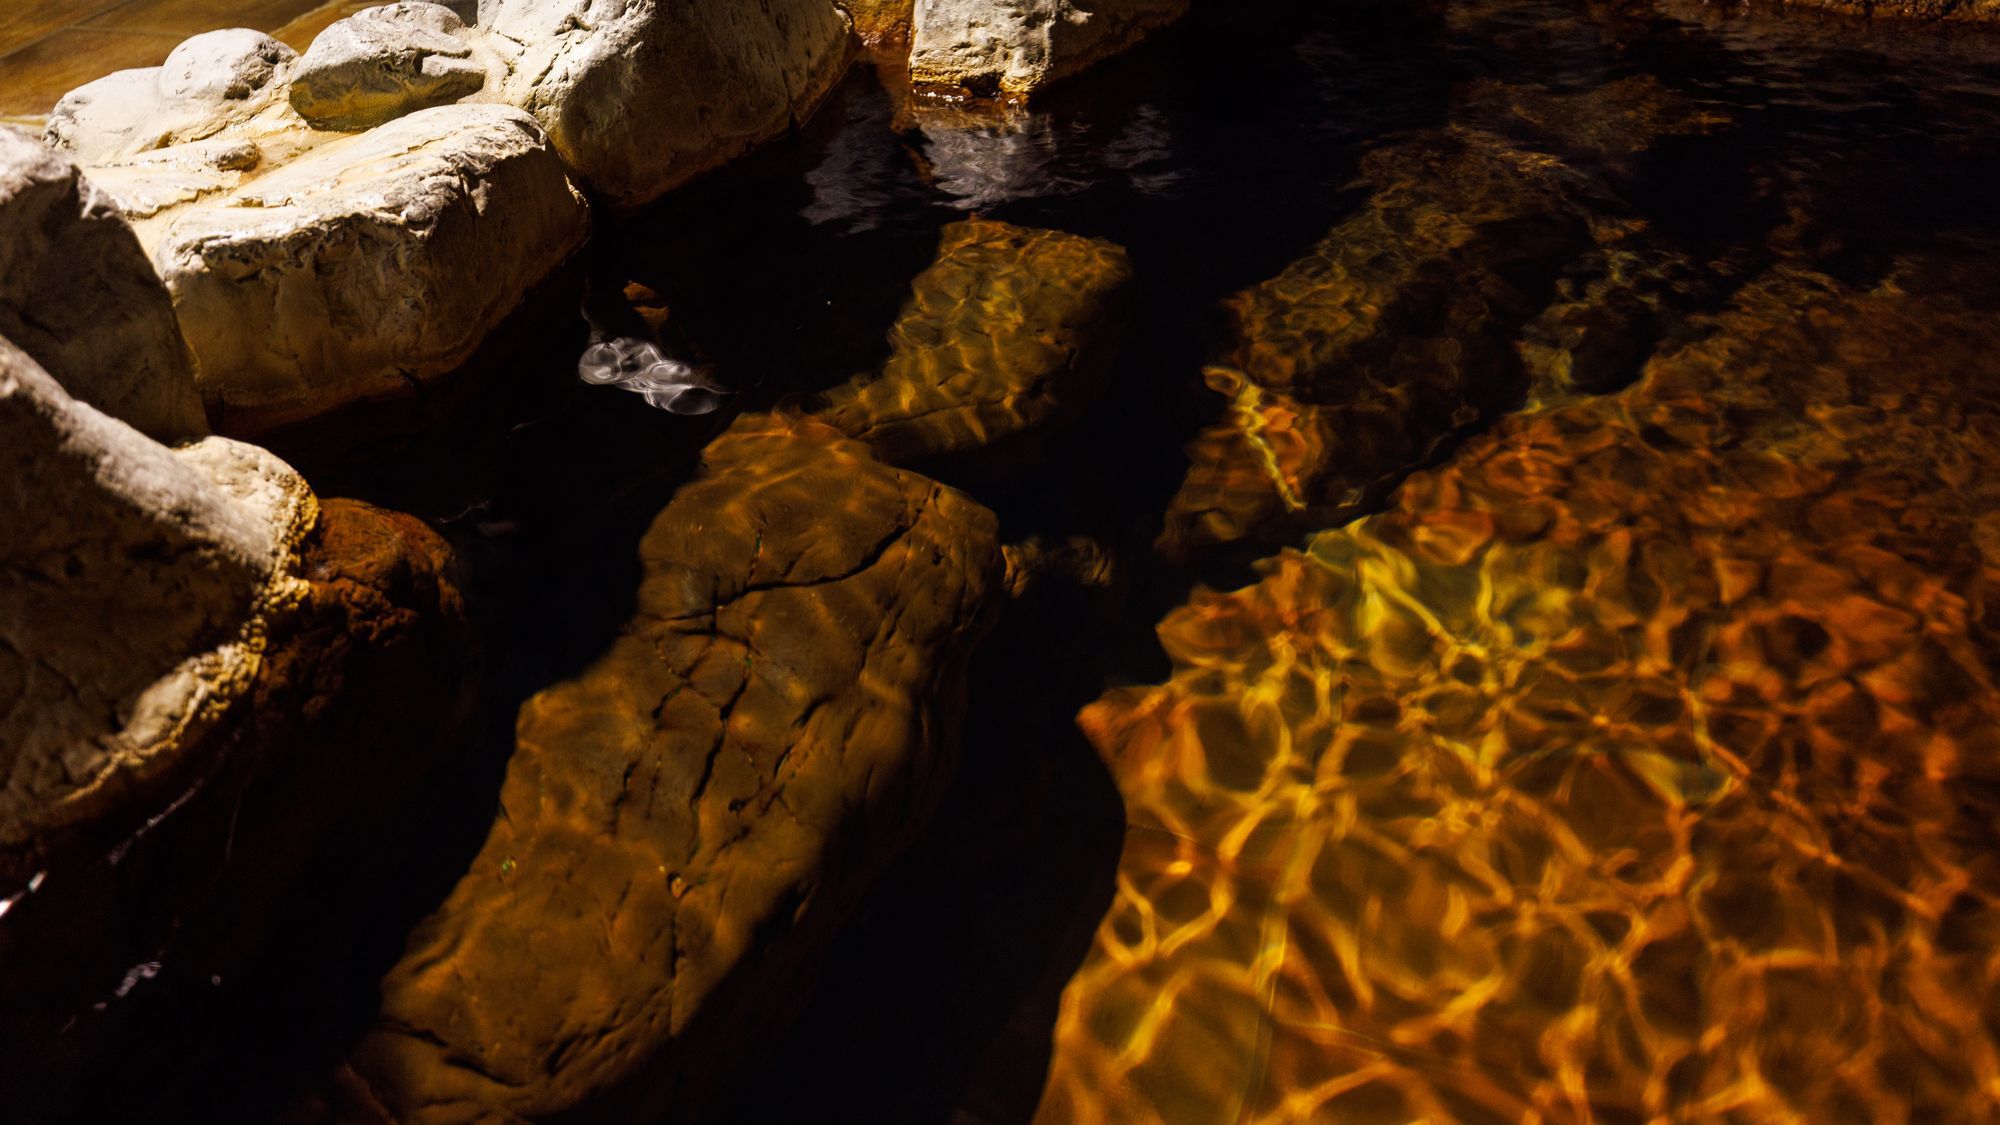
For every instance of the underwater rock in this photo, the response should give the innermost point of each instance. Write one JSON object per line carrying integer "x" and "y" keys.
{"x": 1621, "y": 768}
{"x": 1358, "y": 361}
{"x": 1012, "y": 48}
{"x": 642, "y": 97}
{"x": 208, "y": 84}
{"x": 367, "y": 265}
{"x": 78, "y": 294}
{"x": 1009, "y": 334}
{"x": 686, "y": 823}
{"x": 382, "y": 63}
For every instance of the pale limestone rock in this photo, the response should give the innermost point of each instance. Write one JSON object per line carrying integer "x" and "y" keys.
{"x": 208, "y": 84}
{"x": 641, "y": 96}
{"x": 78, "y": 294}
{"x": 382, "y": 63}
{"x": 135, "y": 582}
{"x": 1012, "y": 48}
{"x": 369, "y": 264}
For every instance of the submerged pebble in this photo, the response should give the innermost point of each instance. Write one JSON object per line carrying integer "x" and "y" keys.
{"x": 645, "y": 369}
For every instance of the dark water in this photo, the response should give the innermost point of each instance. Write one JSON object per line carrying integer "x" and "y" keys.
{"x": 1473, "y": 217}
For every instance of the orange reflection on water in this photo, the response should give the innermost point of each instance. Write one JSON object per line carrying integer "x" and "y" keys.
{"x": 1639, "y": 764}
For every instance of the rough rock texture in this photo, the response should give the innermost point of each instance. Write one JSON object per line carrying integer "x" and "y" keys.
{"x": 363, "y": 687}
{"x": 382, "y": 63}
{"x": 209, "y": 83}
{"x": 372, "y": 263}
{"x": 136, "y": 588}
{"x": 687, "y": 821}
{"x": 79, "y": 295}
{"x": 1450, "y": 293}
{"x": 643, "y": 95}
{"x": 1010, "y": 330}
{"x": 1639, "y": 764}
{"x": 1015, "y": 47}
{"x": 881, "y": 23}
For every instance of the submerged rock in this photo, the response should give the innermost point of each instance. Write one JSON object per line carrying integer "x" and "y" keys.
{"x": 78, "y": 294}
{"x": 1621, "y": 768}
{"x": 686, "y": 823}
{"x": 366, "y": 266}
{"x": 382, "y": 63}
{"x": 1010, "y": 333}
{"x": 1013, "y": 48}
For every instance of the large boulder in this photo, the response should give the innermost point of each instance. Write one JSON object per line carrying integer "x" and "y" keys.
{"x": 687, "y": 821}
{"x": 365, "y": 265}
{"x": 1013, "y": 48}
{"x": 642, "y": 95}
{"x": 1010, "y": 332}
{"x": 136, "y": 583}
{"x": 368, "y": 264}
{"x": 207, "y": 683}
{"x": 78, "y": 294}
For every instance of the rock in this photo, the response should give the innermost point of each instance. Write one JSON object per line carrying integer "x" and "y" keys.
{"x": 363, "y": 687}
{"x": 1009, "y": 333}
{"x": 1639, "y": 706}
{"x": 368, "y": 265}
{"x": 1360, "y": 360}
{"x": 881, "y": 23}
{"x": 383, "y": 63}
{"x": 687, "y": 821}
{"x": 209, "y": 83}
{"x": 1012, "y": 48}
{"x": 78, "y": 294}
{"x": 169, "y": 564}
{"x": 642, "y": 97}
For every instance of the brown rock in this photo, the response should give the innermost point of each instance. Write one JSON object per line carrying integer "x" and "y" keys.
{"x": 1010, "y": 333}
{"x": 686, "y": 822}
{"x": 881, "y": 23}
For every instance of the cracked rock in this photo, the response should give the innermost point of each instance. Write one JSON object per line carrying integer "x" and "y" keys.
{"x": 689, "y": 820}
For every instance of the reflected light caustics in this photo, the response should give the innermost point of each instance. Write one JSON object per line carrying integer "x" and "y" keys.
{"x": 1640, "y": 764}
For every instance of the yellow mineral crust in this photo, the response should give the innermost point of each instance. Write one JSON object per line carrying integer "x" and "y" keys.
{"x": 1639, "y": 764}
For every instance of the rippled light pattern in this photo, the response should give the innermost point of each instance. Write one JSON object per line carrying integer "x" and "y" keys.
{"x": 1640, "y": 764}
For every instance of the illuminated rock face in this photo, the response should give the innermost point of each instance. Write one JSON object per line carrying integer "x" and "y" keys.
{"x": 1009, "y": 333}
{"x": 208, "y": 84}
{"x": 688, "y": 820}
{"x": 1620, "y": 769}
{"x": 881, "y": 23}
{"x": 79, "y": 295}
{"x": 1015, "y": 47}
{"x": 643, "y": 95}
{"x": 170, "y": 563}
{"x": 382, "y": 63}
{"x": 368, "y": 264}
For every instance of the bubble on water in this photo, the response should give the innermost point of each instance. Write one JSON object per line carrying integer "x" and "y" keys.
{"x": 645, "y": 369}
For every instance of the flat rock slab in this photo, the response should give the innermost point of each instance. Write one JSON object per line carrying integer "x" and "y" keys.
{"x": 79, "y": 295}
{"x": 1010, "y": 332}
{"x": 372, "y": 264}
{"x": 1013, "y": 48}
{"x": 686, "y": 823}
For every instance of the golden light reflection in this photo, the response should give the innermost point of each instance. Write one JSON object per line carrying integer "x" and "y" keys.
{"x": 1638, "y": 765}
